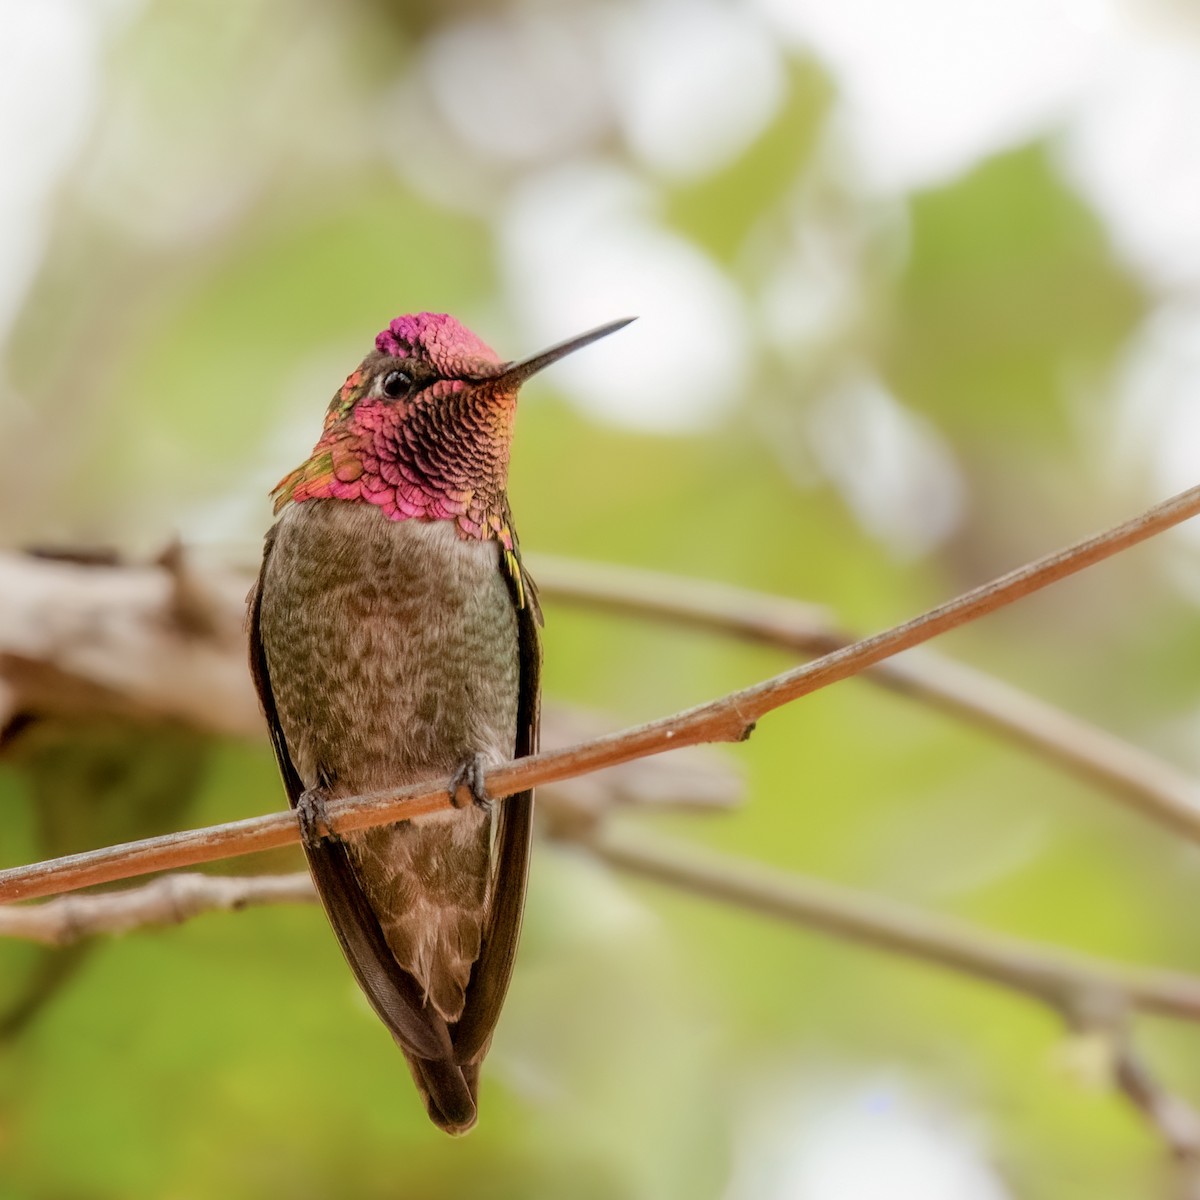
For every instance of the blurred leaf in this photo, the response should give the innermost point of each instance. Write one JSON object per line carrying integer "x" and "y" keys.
{"x": 720, "y": 211}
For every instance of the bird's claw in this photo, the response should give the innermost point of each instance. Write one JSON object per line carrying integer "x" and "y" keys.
{"x": 310, "y": 813}
{"x": 469, "y": 778}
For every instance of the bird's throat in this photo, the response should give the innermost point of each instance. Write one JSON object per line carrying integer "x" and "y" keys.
{"x": 411, "y": 468}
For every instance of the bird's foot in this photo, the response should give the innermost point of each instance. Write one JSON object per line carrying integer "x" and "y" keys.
{"x": 310, "y": 813}
{"x": 467, "y": 787}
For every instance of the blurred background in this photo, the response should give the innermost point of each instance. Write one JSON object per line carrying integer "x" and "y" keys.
{"x": 918, "y": 299}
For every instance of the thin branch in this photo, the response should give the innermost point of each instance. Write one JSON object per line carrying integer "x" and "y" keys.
{"x": 1145, "y": 782}
{"x": 1081, "y": 987}
{"x": 1066, "y": 981}
{"x": 1087, "y": 992}
{"x": 730, "y": 718}
{"x": 1173, "y": 1119}
{"x": 126, "y": 641}
{"x": 170, "y": 900}
{"x": 90, "y": 636}
{"x": 1176, "y": 1121}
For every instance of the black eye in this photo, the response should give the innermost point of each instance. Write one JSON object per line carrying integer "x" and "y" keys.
{"x": 395, "y": 384}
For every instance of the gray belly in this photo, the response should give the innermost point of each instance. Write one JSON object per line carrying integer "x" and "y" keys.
{"x": 392, "y": 649}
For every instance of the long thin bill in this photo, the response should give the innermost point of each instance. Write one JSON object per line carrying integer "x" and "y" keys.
{"x": 518, "y": 372}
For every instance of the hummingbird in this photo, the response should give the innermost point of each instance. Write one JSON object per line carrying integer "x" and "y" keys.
{"x": 393, "y": 640}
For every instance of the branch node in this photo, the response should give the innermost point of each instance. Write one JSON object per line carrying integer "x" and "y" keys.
{"x": 192, "y": 607}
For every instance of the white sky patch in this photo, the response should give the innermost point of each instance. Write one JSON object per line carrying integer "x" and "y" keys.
{"x": 1135, "y": 153}
{"x": 895, "y": 471}
{"x": 517, "y": 85}
{"x": 49, "y": 75}
{"x": 930, "y": 87}
{"x": 581, "y": 245}
{"x": 875, "y": 1142}
{"x": 811, "y": 294}
{"x": 815, "y": 289}
{"x": 1157, "y": 424}
{"x": 694, "y": 82}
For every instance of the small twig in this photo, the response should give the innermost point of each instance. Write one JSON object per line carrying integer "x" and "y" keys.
{"x": 1172, "y": 1118}
{"x": 730, "y": 718}
{"x": 1145, "y": 782}
{"x": 1069, "y": 982}
{"x": 170, "y": 900}
{"x": 1177, "y": 1122}
{"x": 1060, "y": 978}
{"x": 1075, "y": 986}
{"x": 1082, "y": 990}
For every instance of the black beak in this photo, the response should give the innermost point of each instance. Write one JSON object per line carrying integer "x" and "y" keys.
{"x": 516, "y": 373}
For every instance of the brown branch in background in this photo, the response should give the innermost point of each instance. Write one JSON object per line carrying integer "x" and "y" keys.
{"x": 1078, "y": 986}
{"x": 170, "y": 900}
{"x": 1142, "y": 780}
{"x": 1087, "y": 992}
{"x": 90, "y": 637}
{"x": 1090, "y": 994}
{"x": 1176, "y": 1121}
{"x": 97, "y": 640}
{"x": 730, "y": 718}
{"x": 1068, "y": 982}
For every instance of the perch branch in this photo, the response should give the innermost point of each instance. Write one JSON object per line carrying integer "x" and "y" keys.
{"x": 730, "y": 718}
{"x": 1073, "y": 984}
{"x": 92, "y": 637}
{"x": 1143, "y": 781}
{"x": 1076, "y": 986}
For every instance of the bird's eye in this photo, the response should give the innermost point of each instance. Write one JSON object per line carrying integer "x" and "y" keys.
{"x": 395, "y": 384}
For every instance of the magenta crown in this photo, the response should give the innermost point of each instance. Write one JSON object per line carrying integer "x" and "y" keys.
{"x": 450, "y": 348}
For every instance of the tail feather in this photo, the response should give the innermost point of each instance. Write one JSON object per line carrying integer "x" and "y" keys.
{"x": 449, "y": 1092}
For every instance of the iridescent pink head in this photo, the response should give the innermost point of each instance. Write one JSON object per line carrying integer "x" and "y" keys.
{"x": 449, "y": 347}
{"x": 422, "y": 428}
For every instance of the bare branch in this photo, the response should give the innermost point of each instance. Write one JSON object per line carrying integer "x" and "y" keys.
{"x": 1088, "y": 993}
{"x": 730, "y": 718}
{"x": 1142, "y": 780}
{"x": 1066, "y": 981}
{"x": 170, "y": 900}
{"x": 94, "y": 637}
{"x": 1085, "y": 990}
{"x": 1173, "y": 1119}
{"x": 126, "y": 641}
{"x": 1176, "y": 1121}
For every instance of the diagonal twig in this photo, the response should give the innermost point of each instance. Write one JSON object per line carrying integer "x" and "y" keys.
{"x": 1088, "y": 993}
{"x": 1146, "y": 783}
{"x": 1067, "y": 981}
{"x": 1176, "y": 1121}
{"x": 729, "y": 718}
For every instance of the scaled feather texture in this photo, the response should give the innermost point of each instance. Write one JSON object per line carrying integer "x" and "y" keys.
{"x": 394, "y": 639}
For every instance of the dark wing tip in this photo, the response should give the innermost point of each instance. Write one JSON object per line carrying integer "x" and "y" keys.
{"x": 448, "y": 1094}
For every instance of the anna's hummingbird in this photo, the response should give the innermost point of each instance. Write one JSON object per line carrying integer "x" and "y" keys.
{"x": 393, "y": 639}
